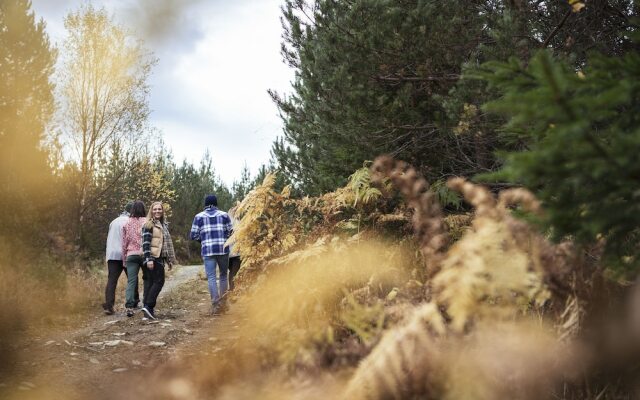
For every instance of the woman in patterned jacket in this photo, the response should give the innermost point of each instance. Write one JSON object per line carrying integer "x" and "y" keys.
{"x": 132, "y": 252}
{"x": 157, "y": 248}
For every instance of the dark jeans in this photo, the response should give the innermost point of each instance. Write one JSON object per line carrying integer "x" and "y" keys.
{"x": 153, "y": 281}
{"x": 115, "y": 268}
{"x": 234, "y": 267}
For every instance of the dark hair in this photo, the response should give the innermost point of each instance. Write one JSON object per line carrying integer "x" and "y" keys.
{"x": 127, "y": 208}
{"x": 211, "y": 200}
{"x": 138, "y": 209}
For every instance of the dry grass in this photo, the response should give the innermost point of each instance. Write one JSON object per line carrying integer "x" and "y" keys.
{"x": 39, "y": 293}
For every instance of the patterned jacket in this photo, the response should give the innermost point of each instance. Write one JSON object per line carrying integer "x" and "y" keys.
{"x": 212, "y": 228}
{"x": 132, "y": 237}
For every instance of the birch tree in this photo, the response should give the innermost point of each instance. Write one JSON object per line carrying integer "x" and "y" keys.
{"x": 104, "y": 93}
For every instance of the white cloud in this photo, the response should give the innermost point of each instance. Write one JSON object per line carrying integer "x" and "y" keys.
{"x": 209, "y": 89}
{"x": 219, "y": 97}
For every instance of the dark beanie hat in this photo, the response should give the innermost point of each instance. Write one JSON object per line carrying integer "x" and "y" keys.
{"x": 211, "y": 200}
{"x": 128, "y": 207}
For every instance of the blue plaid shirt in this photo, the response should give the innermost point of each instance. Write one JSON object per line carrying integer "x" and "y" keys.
{"x": 212, "y": 228}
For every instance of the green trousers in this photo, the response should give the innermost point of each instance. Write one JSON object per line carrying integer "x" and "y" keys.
{"x": 134, "y": 263}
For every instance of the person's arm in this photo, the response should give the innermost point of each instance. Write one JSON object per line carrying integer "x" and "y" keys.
{"x": 195, "y": 229}
{"x": 147, "y": 234}
{"x": 227, "y": 230}
{"x": 125, "y": 240}
{"x": 228, "y": 227}
{"x": 109, "y": 240}
{"x": 170, "y": 250}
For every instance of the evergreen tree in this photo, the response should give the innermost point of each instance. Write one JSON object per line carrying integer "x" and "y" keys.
{"x": 384, "y": 77}
{"x": 581, "y": 131}
{"x": 191, "y": 185}
{"x": 241, "y": 187}
{"x": 26, "y": 106}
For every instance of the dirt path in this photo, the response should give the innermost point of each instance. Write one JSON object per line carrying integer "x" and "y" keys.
{"x": 110, "y": 350}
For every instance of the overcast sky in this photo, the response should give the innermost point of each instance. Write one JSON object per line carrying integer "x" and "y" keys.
{"x": 217, "y": 58}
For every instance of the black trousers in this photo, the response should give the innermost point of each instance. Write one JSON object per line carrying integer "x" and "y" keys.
{"x": 153, "y": 281}
{"x": 234, "y": 267}
{"x": 115, "y": 269}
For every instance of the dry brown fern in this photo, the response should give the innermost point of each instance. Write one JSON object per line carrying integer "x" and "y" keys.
{"x": 499, "y": 266}
{"x": 478, "y": 196}
{"x": 427, "y": 218}
{"x": 493, "y": 273}
{"x": 404, "y": 360}
{"x": 263, "y": 229}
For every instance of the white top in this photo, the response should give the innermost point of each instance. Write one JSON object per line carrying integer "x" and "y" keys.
{"x": 114, "y": 238}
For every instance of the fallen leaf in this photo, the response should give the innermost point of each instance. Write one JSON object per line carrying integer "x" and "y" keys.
{"x": 112, "y": 343}
{"x": 120, "y": 369}
{"x": 157, "y": 344}
{"x": 94, "y": 361}
{"x": 50, "y": 342}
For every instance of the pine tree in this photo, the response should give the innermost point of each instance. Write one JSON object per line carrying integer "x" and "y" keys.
{"x": 191, "y": 184}
{"x": 26, "y": 106}
{"x": 581, "y": 131}
{"x": 385, "y": 77}
{"x": 241, "y": 187}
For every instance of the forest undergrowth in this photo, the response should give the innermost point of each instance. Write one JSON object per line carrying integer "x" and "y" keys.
{"x": 376, "y": 291}
{"x": 339, "y": 300}
{"x": 49, "y": 291}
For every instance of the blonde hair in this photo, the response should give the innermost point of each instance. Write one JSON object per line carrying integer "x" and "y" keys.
{"x": 150, "y": 219}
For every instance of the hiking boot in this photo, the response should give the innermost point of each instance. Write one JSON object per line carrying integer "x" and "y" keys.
{"x": 109, "y": 311}
{"x": 148, "y": 312}
{"x": 129, "y": 312}
{"x": 215, "y": 310}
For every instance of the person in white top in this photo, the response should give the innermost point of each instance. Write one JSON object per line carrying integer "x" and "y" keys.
{"x": 114, "y": 259}
{"x": 234, "y": 256}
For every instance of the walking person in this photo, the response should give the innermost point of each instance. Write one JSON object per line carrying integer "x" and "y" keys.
{"x": 132, "y": 252}
{"x": 212, "y": 227}
{"x": 115, "y": 266}
{"x": 234, "y": 256}
{"x": 157, "y": 248}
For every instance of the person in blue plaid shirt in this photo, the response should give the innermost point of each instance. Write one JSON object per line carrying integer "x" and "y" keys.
{"x": 212, "y": 227}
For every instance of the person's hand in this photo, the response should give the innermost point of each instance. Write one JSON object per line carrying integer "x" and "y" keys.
{"x": 150, "y": 265}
